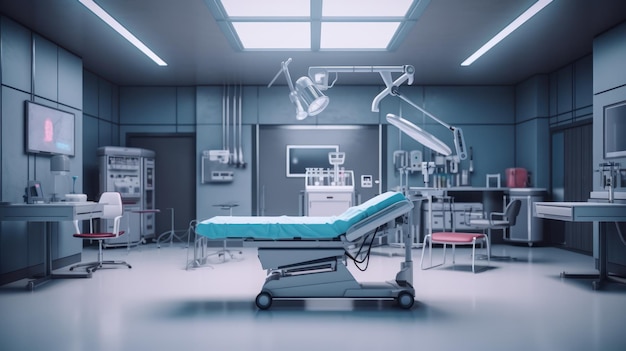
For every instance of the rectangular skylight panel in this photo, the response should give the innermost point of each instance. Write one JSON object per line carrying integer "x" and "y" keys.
{"x": 274, "y": 35}
{"x": 267, "y": 8}
{"x": 357, "y": 35}
{"x": 366, "y": 8}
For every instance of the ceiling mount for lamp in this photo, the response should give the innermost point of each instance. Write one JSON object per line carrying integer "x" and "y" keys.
{"x": 307, "y": 97}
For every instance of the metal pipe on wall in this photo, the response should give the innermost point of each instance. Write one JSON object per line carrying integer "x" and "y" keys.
{"x": 242, "y": 163}
{"x": 224, "y": 117}
{"x": 227, "y": 122}
{"x": 234, "y": 111}
{"x": 234, "y": 159}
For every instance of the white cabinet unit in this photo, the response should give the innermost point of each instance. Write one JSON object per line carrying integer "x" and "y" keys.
{"x": 328, "y": 203}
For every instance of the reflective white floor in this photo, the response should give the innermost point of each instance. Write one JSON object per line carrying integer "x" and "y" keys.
{"x": 159, "y": 305}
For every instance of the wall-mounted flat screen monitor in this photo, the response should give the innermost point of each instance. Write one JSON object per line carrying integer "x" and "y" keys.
{"x": 615, "y": 130}
{"x": 301, "y": 157}
{"x": 48, "y": 130}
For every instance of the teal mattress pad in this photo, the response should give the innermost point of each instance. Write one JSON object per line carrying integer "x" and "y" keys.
{"x": 294, "y": 227}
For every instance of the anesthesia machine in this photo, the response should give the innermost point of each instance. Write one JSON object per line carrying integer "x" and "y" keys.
{"x": 130, "y": 171}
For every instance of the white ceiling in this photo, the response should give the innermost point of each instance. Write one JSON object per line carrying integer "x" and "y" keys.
{"x": 185, "y": 35}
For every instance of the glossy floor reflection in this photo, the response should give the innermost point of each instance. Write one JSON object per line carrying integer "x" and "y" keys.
{"x": 159, "y": 305}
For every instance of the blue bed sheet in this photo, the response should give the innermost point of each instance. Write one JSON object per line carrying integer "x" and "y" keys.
{"x": 291, "y": 227}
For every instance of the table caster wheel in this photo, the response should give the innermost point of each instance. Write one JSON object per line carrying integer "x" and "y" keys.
{"x": 263, "y": 300}
{"x": 405, "y": 300}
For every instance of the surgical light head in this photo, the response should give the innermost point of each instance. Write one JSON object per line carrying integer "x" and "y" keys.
{"x": 457, "y": 133}
{"x": 312, "y": 99}
{"x": 419, "y": 135}
{"x": 307, "y": 98}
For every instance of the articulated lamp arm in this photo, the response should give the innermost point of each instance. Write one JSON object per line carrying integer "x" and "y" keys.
{"x": 320, "y": 76}
{"x": 300, "y": 112}
{"x": 459, "y": 140}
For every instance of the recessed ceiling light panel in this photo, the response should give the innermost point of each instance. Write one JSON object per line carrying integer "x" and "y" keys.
{"x": 366, "y": 25}
{"x": 267, "y": 8}
{"x": 357, "y": 35}
{"x": 366, "y": 8}
{"x": 274, "y": 35}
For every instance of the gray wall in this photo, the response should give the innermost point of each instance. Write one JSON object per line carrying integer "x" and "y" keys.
{"x": 100, "y": 126}
{"x": 35, "y": 69}
{"x": 609, "y": 87}
{"x": 279, "y": 194}
{"x": 545, "y": 102}
{"x": 609, "y": 84}
{"x": 546, "y": 105}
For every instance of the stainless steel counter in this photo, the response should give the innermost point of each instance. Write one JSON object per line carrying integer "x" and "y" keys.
{"x": 581, "y": 211}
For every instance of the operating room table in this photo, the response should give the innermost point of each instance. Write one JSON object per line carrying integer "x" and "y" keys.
{"x": 306, "y": 257}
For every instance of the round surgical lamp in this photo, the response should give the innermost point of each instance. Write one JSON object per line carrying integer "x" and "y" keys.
{"x": 419, "y": 135}
{"x": 312, "y": 99}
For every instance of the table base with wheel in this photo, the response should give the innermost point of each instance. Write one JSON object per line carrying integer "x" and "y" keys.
{"x": 600, "y": 212}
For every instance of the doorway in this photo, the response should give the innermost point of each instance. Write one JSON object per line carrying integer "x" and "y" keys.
{"x": 572, "y": 180}
{"x": 175, "y": 176}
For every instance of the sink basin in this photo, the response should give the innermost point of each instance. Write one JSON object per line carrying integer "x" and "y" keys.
{"x": 581, "y": 211}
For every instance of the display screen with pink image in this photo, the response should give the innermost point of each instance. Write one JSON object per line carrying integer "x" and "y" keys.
{"x": 48, "y": 130}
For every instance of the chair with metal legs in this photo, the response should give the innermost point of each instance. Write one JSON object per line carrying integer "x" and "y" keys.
{"x": 112, "y": 209}
{"x": 453, "y": 239}
{"x": 497, "y": 220}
